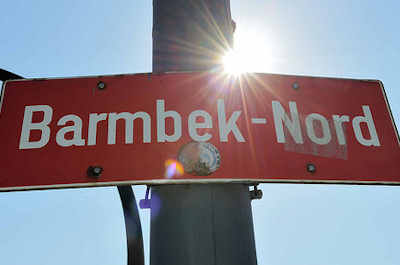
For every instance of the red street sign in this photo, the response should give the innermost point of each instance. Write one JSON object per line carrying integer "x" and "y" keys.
{"x": 195, "y": 128}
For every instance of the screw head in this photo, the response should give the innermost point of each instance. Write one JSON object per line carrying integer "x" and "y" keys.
{"x": 295, "y": 86}
{"x": 101, "y": 85}
{"x": 311, "y": 168}
{"x": 94, "y": 171}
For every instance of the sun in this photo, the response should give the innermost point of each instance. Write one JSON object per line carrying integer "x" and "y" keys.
{"x": 233, "y": 63}
{"x": 252, "y": 53}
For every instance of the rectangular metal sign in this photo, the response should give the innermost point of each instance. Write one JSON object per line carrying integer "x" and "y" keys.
{"x": 195, "y": 128}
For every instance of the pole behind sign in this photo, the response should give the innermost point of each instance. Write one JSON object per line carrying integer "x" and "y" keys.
{"x": 197, "y": 224}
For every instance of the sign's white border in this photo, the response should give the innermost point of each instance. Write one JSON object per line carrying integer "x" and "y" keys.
{"x": 196, "y": 181}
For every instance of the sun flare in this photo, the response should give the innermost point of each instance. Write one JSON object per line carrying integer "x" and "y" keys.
{"x": 233, "y": 63}
{"x": 252, "y": 53}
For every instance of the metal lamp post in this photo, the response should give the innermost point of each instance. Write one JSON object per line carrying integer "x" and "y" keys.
{"x": 203, "y": 223}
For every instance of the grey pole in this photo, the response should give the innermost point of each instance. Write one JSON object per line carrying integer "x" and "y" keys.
{"x": 202, "y": 224}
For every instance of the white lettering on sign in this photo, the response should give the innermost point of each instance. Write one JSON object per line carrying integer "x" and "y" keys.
{"x": 94, "y": 118}
{"x": 193, "y": 125}
{"x": 76, "y": 129}
{"x": 326, "y": 133}
{"x": 281, "y": 119}
{"x": 226, "y": 127}
{"x": 367, "y": 118}
{"x": 318, "y": 128}
{"x": 28, "y": 126}
{"x": 129, "y": 120}
{"x": 292, "y": 124}
{"x": 161, "y": 116}
{"x": 338, "y": 121}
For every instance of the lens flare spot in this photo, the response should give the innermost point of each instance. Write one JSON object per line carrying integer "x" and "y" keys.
{"x": 173, "y": 168}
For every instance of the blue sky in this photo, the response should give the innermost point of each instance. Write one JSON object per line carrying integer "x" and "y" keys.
{"x": 294, "y": 224}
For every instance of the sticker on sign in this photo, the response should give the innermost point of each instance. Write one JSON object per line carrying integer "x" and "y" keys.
{"x": 195, "y": 128}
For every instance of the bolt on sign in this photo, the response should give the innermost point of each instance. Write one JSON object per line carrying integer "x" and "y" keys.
{"x": 195, "y": 128}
